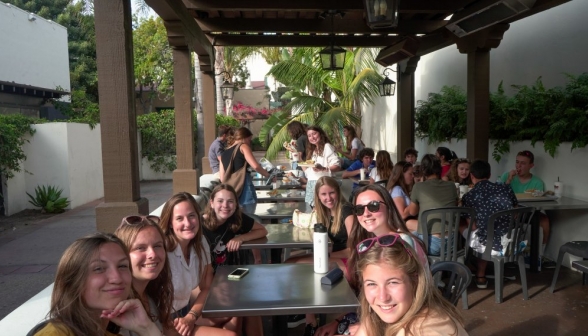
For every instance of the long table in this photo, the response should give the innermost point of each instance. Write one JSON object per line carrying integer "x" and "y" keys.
{"x": 562, "y": 203}
{"x": 291, "y": 196}
{"x": 280, "y": 236}
{"x": 268, "y": 212}
{"x": 276, "y": 290}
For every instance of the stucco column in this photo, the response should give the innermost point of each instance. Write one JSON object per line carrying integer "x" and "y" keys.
{"x": 208, "y": 104}
{"x": 478, "y": 113}
{"x": 185, "y": 177}
{"x": 405, "y": 106}
{"x": 118, "y": 123}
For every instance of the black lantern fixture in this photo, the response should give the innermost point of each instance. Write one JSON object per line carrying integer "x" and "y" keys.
{"x": 332, "y": 57}
{"x": 388, "y": 86}
{"x": 381, "y": 13}
{"x": 227, "y": 89}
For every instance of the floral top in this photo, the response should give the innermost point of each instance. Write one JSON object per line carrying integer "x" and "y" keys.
{"x": 487, "y": 198}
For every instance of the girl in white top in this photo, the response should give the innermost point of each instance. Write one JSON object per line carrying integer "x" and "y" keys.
{"x": 398, "y": 297}
{"x": 353, "y": 144}
{"x": 324, "y": 156}
{"x": 189, "y": 259}
{"x": 383, "y": 169}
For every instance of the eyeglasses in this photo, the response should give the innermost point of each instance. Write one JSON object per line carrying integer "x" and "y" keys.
{"x": 385, "y": 240}
{"x": 372, "y": 206}
{"x": 134, "y": 220}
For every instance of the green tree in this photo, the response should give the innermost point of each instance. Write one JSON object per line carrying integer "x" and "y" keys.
{"x": 48, "y": 9}
{"x": 329, "y": 99}
{"x": 153, "y": 61}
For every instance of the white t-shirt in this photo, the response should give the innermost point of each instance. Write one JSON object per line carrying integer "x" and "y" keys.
{"x": 356, "y": 144}
{"x": 186, "y": 277}
{"x": 374, "y": 175}
{"x": 327, "y": 159}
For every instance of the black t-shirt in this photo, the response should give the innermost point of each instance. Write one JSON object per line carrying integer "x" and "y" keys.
{"x": 218, "y": 239}
{"x": 340, "y": 238}
{"x": 238, "y": 162}
{"x": 301, "y": 146}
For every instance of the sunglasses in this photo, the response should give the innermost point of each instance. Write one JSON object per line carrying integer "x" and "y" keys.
{"x": 385, "y": 240}
{"x": 372, "y": 206}
{"x": 134, "y": 220}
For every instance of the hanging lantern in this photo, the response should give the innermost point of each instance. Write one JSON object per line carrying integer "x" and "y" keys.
{"x": 381, "y": 13}
{"x": 388, "y": 86}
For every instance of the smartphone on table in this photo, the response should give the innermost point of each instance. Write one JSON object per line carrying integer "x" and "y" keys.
{"x": 238, "y": 273}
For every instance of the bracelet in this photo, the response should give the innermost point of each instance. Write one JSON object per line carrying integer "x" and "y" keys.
{"x": 193, "y": 313}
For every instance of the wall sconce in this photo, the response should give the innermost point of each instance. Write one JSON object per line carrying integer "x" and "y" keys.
{"x": 332, "y": 57}
{"x": 381, "y": 13}
{"x": 227, "y": 88}
{"x": 388, "y": 86}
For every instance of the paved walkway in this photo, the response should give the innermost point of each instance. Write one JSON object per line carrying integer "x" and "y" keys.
{"x": 28, "y": 261}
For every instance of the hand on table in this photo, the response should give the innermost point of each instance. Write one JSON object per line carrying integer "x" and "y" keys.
{"x": 184, "y": 325}
{"x": 234, "y": 244}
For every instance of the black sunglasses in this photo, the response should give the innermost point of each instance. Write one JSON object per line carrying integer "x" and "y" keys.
{"x": 372, "y": 206}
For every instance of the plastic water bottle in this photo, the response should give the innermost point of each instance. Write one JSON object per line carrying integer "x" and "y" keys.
{"x": 321, "y": 248}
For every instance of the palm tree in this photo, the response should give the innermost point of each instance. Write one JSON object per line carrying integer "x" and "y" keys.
{"x": 232, "y": 60}
{"x": 329, "y": 99}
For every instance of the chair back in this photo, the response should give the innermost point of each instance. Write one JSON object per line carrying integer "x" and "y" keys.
{"x": 449, "y": 218}
{"x": 519, "y": 220}
{"x": 456, "y": 278}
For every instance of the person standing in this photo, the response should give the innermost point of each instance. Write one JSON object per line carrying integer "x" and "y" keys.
{"x": 217, "y": 148}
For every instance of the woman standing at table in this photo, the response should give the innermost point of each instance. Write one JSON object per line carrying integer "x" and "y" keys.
{"x": 324, "y": 156}
{"x": 332, "y": 208}
{"x": 241, "y": 142}
{"x": 226, "y": 228}
{"x": 92, "y": 288}
{"x": 383, "y": 169}
{"x": 189, "y": 259}
{"x": 398, "y": 295}
{"x": 459, "y": 172}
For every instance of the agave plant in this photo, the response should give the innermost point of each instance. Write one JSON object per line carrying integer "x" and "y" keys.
{"x": 49, "y": 199}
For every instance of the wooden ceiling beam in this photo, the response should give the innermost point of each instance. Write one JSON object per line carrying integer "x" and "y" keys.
{"x": 315, "y": 26}
{"x": 301, "y": 40}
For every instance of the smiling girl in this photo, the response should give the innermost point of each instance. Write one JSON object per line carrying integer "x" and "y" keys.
{"x": 92, "y": 288}
{"x": 189, "y": 259}
{"x": 398, "y": 297}
{"x": 325, "y": 159}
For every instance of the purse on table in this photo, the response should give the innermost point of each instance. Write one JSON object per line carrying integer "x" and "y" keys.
{"x": 304, "y": 220}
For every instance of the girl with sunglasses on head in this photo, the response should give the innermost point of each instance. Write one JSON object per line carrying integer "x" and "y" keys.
{"x": 337, "y": 214}
{"x": 92, "y": 289}
{"x": 398, "y": 295}
{"x": 225, "y": 228}
{"x": 189, "y": 260}
{"x": 459, "y": 172}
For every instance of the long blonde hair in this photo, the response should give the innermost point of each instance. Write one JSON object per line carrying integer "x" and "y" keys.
{"x": 323, "y": 213}
{"x": 69, "y": 312}
{"x": 427, "y": 299}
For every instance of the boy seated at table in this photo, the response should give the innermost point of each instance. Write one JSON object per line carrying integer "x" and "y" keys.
{"x": 365, "y": 161}
{"x": 521, "y": 180}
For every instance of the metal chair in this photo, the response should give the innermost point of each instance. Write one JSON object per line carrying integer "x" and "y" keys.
{"x": 457, "y": 279}
{"x": 449, "y": 218}
{"x": 519, "y": 222}
{"x": 577, "y": 248}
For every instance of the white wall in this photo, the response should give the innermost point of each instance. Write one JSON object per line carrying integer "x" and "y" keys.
{"x": 33, "y": 52}
{"x": 64, "y": 155}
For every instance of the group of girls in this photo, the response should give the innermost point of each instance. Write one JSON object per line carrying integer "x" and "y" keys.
{"x": 152, "y": 276}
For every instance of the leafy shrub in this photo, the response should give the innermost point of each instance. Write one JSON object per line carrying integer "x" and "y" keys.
{"x": 13, "y": 128}
{"x": 226, "y": 120}
{"x": 256, "y": 143}
{"x": 49, "y": 199}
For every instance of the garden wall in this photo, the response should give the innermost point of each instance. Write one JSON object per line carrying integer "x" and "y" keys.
{"x": 65, "y": 155}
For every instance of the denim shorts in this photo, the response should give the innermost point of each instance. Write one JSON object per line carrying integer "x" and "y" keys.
{"x": 434, "y": 244}
{"x": 248, "y": 195}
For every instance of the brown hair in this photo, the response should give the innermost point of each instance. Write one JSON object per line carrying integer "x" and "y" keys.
{"x": 322, "y": 211}
{"x": 453, "y": 176}
{"x": 69, "y": 312}
{"x": 241, "y": 133}
{"x": 169, "y": 236}
{"x": 296, "y": 129}
{"x": 211, "y": 222}
{"x": 351, "y": 134}
{"x": 223, "y": 130}
{"x": 161, "y": 289}
{"x": 427, "y": 299}
{"x": 324, "y": 139}
{"x": 398, "y": 177}
{"x": 384, "y": 165}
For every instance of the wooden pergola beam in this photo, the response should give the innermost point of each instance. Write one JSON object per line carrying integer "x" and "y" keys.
{"x": 345, "y": 25}
{"x": 301, "y": 40}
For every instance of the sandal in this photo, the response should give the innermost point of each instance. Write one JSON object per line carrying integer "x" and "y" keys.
{"x": 481, "y": 282}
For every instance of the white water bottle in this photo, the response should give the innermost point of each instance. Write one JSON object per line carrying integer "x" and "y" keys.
{"x": 321, "y": 249}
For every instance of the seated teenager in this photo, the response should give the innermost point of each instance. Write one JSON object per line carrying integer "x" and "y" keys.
{"x": 398, "y": 296}
{"x": 459, "y": 172}
{"x": 366, "y": 161}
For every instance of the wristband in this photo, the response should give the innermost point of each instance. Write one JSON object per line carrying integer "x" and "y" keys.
{"x": 193, "y": 313}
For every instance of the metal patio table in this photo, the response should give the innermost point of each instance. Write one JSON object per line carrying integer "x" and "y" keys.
{"x": 280, "y": 236}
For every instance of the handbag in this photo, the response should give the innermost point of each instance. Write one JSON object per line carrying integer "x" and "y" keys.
{"x": 304, "y": 220}
{"x": 235, "y": 179}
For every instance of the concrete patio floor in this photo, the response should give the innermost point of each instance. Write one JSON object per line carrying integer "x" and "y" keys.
{"x": 28, "y": 262}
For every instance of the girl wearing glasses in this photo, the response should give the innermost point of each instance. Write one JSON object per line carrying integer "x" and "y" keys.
{"x": 398, "y": 297}
{"x": 189, "y": 260}
{"x": 459, "y": 172}
{"x": 92, "y": 288}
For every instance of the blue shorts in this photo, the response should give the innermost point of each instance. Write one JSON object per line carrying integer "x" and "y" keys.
{"x": 434, "y": 244}
{"x": 248, "y": 195}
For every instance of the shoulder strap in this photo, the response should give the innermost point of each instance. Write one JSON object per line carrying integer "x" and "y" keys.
{"x": 229, "y": 169}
